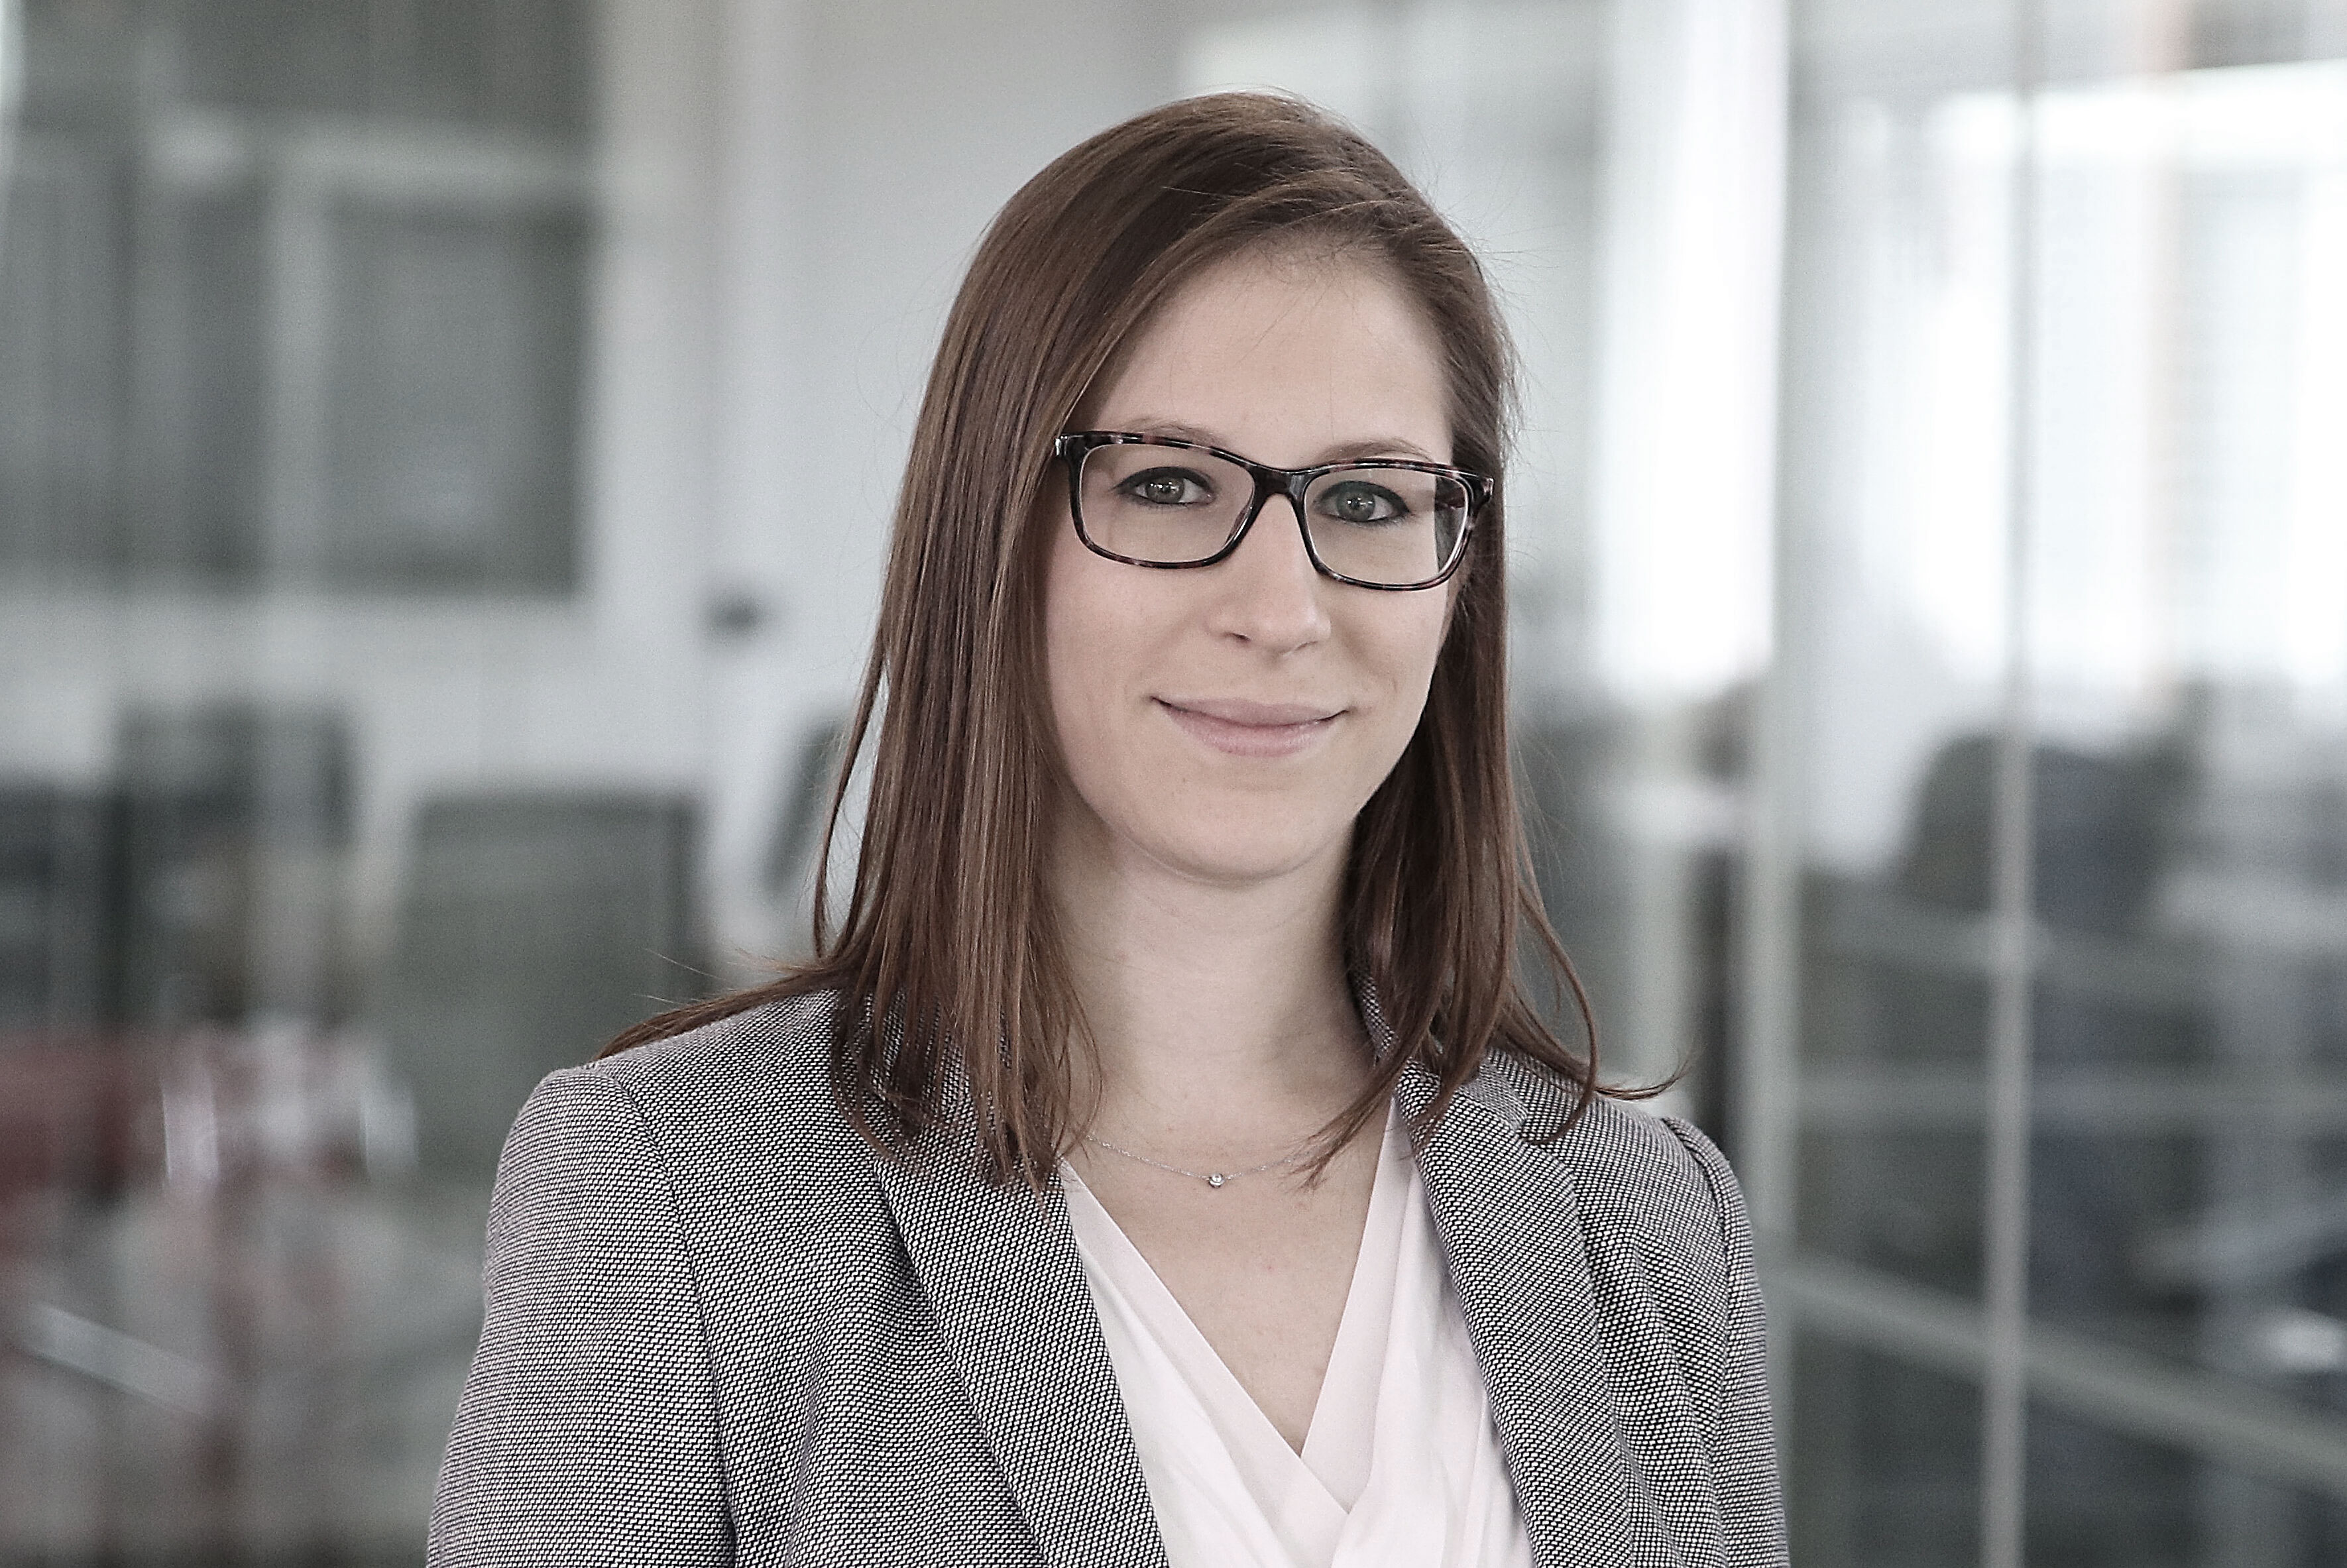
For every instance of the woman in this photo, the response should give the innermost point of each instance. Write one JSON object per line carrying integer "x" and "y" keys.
{"x": 1163, "y": 1163}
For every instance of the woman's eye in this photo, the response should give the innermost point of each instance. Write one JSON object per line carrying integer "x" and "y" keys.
{"x": 1358, "y": 502}
{"x": 1168, "y": 487}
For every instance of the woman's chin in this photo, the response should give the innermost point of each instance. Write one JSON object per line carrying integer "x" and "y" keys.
{"x": 1243, "y": 860}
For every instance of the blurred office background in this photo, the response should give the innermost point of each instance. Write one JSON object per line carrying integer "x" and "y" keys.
{"x": 444, "y": 452}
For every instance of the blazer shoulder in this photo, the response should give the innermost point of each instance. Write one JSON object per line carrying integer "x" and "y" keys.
{"x": 1660, "y": 1178}
{"x": 777, "y": 1195}
{"x": 1609, "y": 1143}
{"x": 777, "y": 1055}
{"x": 740, "y": 1106}
{"x": 1635, "y": 1173}
{"x": 1612, "y": 1141}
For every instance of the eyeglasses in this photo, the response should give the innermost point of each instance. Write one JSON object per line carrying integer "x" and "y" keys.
{"x": 1373, "y": 522}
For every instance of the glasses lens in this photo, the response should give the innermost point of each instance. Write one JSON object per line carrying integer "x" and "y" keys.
{"x": 1388, "y": 525}
{"x": 1161, "y": 504}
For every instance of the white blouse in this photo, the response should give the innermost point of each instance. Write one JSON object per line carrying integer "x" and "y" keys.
{"x": 1401, "y": 1464}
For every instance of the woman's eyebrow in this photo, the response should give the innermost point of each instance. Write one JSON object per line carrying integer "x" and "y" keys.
{"x": 1343, "y": 451}
{"x": 1176, "y": 430}
{"x": 1378, "y": 447}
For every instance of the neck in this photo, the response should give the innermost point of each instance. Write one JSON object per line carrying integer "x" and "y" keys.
{"x": 1223, "y": 1014}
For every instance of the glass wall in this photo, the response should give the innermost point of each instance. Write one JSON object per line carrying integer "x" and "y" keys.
{"x": 2046, "y": 1116}
{"x": 346, "y": 786}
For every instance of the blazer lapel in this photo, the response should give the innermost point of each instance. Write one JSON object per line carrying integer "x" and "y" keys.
{"x": 1511, "y": 1230}
{"x": 1004, "y": 1277}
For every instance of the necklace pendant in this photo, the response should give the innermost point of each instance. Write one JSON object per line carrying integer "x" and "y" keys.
{"x": 1216, "y": 1179}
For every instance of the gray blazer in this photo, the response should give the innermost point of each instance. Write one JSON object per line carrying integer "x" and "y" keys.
{"x": 721, "y": 1330}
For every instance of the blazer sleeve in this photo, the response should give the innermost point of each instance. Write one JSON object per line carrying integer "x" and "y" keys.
{"x": 588, "y": 1428}
{"x": 1751, "y": 1500}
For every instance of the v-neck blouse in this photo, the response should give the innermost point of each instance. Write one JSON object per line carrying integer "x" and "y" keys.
{"x": 1400, "y": 1465}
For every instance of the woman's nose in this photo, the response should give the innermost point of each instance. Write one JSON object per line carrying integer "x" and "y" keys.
{"x": 1271, "y": 595}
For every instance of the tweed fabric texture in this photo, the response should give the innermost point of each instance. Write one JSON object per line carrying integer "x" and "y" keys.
{"x": 721, "y": 1329}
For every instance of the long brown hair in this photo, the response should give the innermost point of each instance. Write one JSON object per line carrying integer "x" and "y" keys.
{"x": 948, "y": 951}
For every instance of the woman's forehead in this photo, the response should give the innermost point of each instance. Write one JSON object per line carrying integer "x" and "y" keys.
{"x": 1328, "y": 351}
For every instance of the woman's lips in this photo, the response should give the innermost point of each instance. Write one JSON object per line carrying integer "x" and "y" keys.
{"x": 1251, "y": 729}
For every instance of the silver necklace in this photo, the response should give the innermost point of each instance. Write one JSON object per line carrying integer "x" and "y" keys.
{"x": 1212, "y": 1178}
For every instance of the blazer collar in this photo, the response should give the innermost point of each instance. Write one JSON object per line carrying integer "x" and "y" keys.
{"x": 1511, "y": 1230}
{"x": 1007, "y": 1284}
